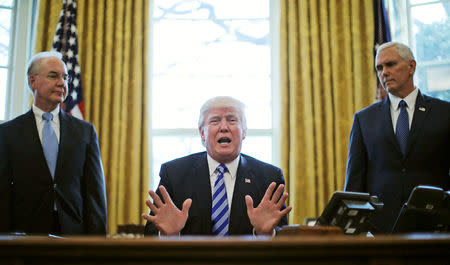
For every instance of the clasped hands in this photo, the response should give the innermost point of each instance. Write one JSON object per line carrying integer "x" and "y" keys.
{"x": 170, "y": 220}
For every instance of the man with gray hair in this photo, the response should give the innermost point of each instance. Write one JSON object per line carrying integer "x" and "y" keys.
{"x": 221, "y": 191}
{"x": 51, "y": 175}
{"x": 401, "y": 142}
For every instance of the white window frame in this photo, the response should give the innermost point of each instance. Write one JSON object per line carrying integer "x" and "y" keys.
{"x": 276, "y": 81}
{"x": 404, "y": 20}
{"x": 275, "y": 131}
{"x": 22, "y": 35}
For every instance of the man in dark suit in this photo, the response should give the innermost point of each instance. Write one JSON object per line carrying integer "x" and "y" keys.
{"x": 44, "y": 190}
{"x": 401, "y": 142}
{"x": 217, "y": 190}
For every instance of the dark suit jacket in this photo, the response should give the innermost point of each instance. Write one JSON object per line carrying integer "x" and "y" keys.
{"x": 27, "y": 191}
{"x": 375, "y": 164}
{"x": 188, "y": 177}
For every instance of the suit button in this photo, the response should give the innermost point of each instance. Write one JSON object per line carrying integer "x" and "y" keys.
{"x": 54, "y": 185}
{"x": 403, "y": 170}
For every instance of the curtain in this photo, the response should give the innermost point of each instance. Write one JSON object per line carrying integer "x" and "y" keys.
{"x": 113, "y": 41}
{"x": 326, "y": 76}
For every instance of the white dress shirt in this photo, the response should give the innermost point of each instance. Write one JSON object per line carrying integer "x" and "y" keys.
{"x": 40, "y": 126}
{"x": 395, "y": 110}
{"x": 40, "y": 121}
{"x": 229, "y": 177}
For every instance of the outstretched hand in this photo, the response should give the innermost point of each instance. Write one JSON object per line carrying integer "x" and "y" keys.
{"x": 167, "y": 217}
{"x": 267, "y": 215}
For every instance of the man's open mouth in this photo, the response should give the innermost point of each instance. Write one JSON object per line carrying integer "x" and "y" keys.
{"x": 224, "y": 140}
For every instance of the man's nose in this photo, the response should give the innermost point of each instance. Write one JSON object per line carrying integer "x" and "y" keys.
{"x": 61, "y": 81}
{"x": 223, "y": 126}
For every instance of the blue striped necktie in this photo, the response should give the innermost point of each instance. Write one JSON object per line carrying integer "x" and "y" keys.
{"x": 49, "y": 142}
{"x": 402, "y": 127}
{"x": 220, "y": 204}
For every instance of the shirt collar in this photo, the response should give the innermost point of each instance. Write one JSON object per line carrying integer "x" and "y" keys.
{"x": 232, "y": 166}
{"x": 38, "y": 112}
{"x": 410, "y": 99}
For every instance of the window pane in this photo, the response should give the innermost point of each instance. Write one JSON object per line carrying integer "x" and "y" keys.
{"x": 259, "y": 147}
{"x": 3, "y": 80}
{"x": 230, "y": 9}
{"x": 166, "y": 148}
{"x": 431, "y": 29}
{"x": 203, "y": 49}
{"x": 5, "y": 27}
{"x": 180, "y": 99}
{"x": 197, "y": 57}
{"x": 415, "y": 2}
{"x": 6, "y": 3}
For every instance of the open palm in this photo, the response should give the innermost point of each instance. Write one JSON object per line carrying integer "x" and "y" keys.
{"x": 166, "y": 216}
{"x": 268, "y": 213}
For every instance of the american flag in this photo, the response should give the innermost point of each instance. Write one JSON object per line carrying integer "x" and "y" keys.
{"x": 66, "y": 42}
{"x": 382, "y": 32}
{"x": 382, "y": 35}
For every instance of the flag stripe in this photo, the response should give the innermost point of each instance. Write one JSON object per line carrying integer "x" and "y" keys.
{"x": 66, "y": 42}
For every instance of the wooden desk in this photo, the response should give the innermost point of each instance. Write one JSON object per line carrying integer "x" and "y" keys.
{"x": 233, "y": 250}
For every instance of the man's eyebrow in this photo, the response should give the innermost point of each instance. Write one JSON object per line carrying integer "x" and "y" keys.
{"x": 213, "y": 117}
{"x": 56, "y": 72}
{"x": 390, "y": 62}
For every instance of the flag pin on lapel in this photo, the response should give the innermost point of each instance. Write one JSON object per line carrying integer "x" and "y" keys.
{"x": 247, "y": 180}
{"x": 421, "y": 108}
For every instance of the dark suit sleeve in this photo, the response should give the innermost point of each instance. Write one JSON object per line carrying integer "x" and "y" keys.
{"x": 355, "y": 179}
{"x": 95, "y": 197}
{"x": 5, "y": 189}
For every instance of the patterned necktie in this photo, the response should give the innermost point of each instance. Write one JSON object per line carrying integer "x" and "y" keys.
{"x": 49, "y": 142}
{"x": 402, "y": 128}
{"x": 220, "y": 204}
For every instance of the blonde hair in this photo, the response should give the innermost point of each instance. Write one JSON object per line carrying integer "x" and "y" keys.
{"x": 222, "y": 102}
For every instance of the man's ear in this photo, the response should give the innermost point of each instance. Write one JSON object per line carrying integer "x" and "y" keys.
{"x": 202, "y": 133}
{"x": 31, "y": 81}
{"x": 412, "y": 67}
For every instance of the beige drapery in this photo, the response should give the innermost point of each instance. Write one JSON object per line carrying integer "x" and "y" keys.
{"x": 113, "y": 41}
{"x": 326, "y": 76}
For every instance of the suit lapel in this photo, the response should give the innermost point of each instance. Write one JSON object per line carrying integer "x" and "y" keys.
{"x": 421, "y": 110}
{"x": 64, "y": 132}
{"x": 32, "y": 138}
{"x": 33, "y": 143}
{"x": 244, "y": 185}
{"x": 388, "y": 129}
{"x": 201, "y": 187}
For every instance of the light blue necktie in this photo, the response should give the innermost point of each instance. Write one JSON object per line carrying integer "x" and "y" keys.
{"x": 49, "y": 143}
{"x": 220, "y": 204}
{"x": 402, "y": 128}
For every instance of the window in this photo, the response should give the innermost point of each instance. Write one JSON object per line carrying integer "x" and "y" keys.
{"x": 425, "y": 26}
{"x": 206, "y": 48}
{"x": 17, "y": 19}
{"x": 6, "y": 18}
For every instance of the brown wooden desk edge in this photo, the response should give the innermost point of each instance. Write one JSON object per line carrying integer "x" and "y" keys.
{"x": 234, "y": 250}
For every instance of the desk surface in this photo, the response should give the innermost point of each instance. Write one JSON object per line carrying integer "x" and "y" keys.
{"x": 412, "y": 249}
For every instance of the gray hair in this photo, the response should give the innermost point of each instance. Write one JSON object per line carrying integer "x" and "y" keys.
{"x": 222, "y": 102}
{"x": 403, "y": 50}
{"x": 35, "y": 62}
